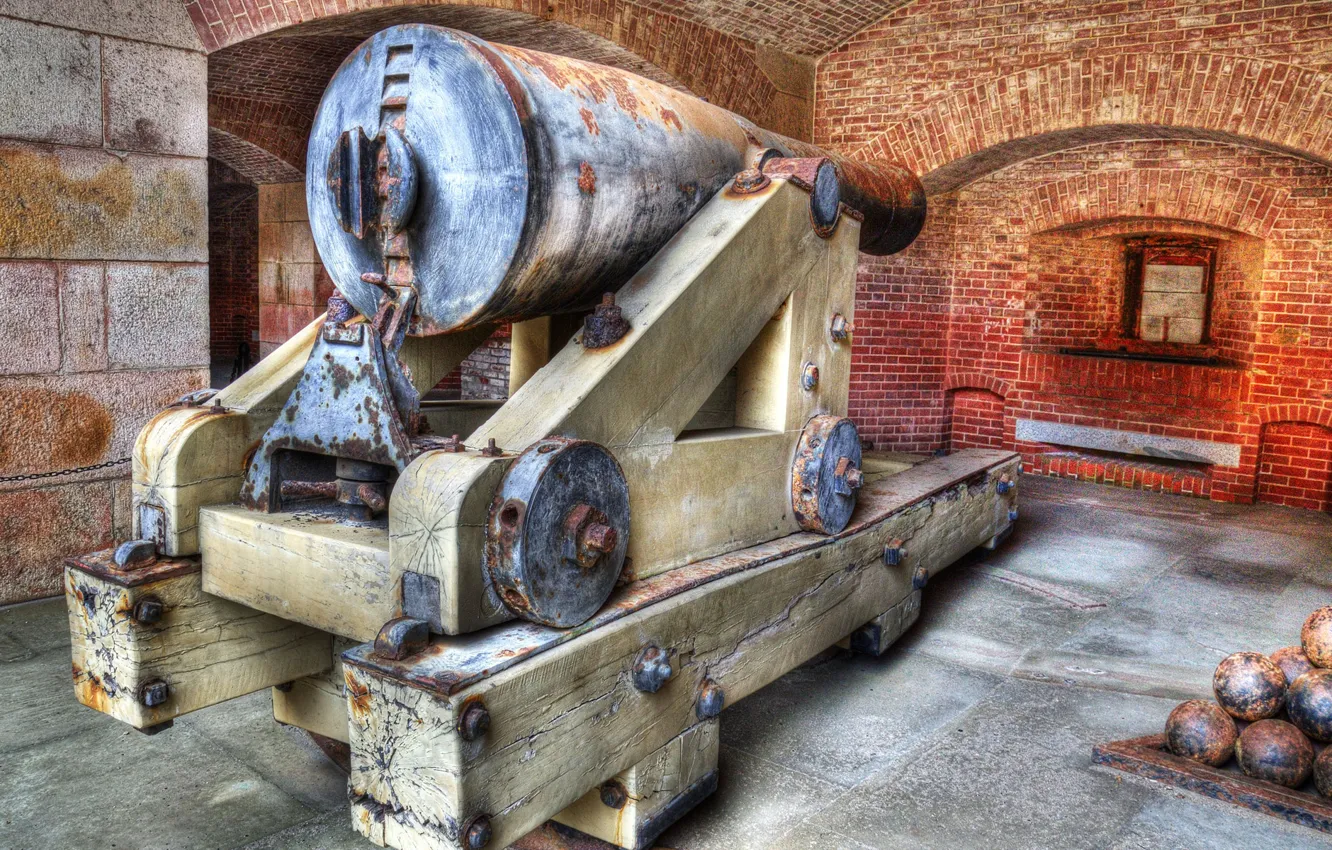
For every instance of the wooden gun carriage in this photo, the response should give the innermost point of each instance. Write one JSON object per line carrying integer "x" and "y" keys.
{"x": 543, "y": 618}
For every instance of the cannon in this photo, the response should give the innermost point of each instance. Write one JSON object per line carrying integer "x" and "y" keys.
{"x": 535, "y": 610}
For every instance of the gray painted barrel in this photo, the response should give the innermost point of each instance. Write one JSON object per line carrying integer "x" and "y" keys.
{"x": 528, "y": 183}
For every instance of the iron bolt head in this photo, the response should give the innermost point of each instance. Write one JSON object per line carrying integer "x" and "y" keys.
{"x": 614, "y": 795}
{"x": 711, "y": 699}
{"x": 893, "y": 553}
{"x": 153, "y": 693}
{"x": 855, "y": 479}
{"x": 478, "y": 832}
{"x": 809, "y": 378}
{"x": 839, "y": 328}
{"x": 1005, "y": 484}
{"x": 750, "y": 180}
{"x": 491, "y": 450}
{"x": 652, "y": 669}
{"x": 606, "y": 325}
{"x": 147, "y": 611}
{"x": 600, "y": 537}
{"x": 135, "y": 554}
{"x": 920, "y": 578}
{"x": 475, "y": 721}
{"x": 590, "y": 535}
{"x": 340, "y": 309}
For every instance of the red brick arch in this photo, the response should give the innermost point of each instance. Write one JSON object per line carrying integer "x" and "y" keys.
{"x": 1232, "y": 203}
{"x": 976, "y": 381}
{"x": 1302, "y": 414}
{"x": 997, "y": 122}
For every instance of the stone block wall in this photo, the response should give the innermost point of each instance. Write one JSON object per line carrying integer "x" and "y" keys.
{"x": 103, "y": 262}
{"x": 293, "y": 286}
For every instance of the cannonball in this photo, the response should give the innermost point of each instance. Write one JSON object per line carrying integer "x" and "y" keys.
{"x": 1292, "y": 661}
{"x": 1200, "y": 730}
{"x": 1322, "y": 771}
{"x": 1316, "y": 637}
{"x": 1275, "y": 751}
{"x": 1249, "y": 686}
{"x": 1309, "y": 704}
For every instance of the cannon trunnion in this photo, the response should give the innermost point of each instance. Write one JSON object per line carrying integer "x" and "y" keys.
{"x": 535, "y": 610}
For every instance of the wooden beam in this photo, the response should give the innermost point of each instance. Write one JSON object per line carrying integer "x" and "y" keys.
{"x": 188, "y": 457}
{"x": 744, "y": 270}
{"x": 641, "y": 802}
{"x": 204, "y": 650}
{"x": 878, "y": 634}
{"x": 327, "y": 575}
{"x": 564, "y": 716}
{"x": 316, "y": 703}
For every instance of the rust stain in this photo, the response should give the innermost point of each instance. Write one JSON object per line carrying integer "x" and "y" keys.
{"x": 669, "y": 118}
{"x": 587, "y": 179}
{"x": 48, "y": 210}
{"x": 358, "y": 697}
{"x": 590, "y": 120}
{"x": 595, "y": 81}
{"x": 45, "y": 429}
{"x": 90, "y": 691}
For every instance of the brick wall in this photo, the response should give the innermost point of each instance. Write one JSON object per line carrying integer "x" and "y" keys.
{"x": 1046, "y": 133}
{"x": 1295, "y": 466}
{"x": 1032, "y": 266}
{"x": 485, "y": 372}
{"x": 975, "y": 420}
{"x": 103, "y": 252}
{"x": 899, "y": 345}
{"x": 233, "y": 264}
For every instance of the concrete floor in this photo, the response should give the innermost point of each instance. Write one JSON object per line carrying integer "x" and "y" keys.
{"x": 1103, "y": 610}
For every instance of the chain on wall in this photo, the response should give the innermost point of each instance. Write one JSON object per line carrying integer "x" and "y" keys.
{"x": 35, "y": 476}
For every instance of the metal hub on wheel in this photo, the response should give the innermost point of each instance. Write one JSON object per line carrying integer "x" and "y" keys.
{"x": 558, "y": 531}
{"x": 826, "y": 474}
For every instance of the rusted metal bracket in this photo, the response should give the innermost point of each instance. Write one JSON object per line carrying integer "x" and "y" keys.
{"x": 354, "y": 401}
{"x": 1148, "y": 756}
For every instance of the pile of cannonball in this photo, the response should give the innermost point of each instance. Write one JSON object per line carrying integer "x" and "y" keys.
{"x": 1268, "y": 712}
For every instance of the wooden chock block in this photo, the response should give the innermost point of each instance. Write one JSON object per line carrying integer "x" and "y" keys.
{"x": 640, "y": 803}
{"x": 316, "y": 703}
{"x": 149, "y": 645}
{"x": 878, "y": 634}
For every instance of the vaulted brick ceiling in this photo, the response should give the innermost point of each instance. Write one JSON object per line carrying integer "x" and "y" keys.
{"x": 267, "y": 72}
{"x": 803, "y": 27}
{"x": 265, "y": 90}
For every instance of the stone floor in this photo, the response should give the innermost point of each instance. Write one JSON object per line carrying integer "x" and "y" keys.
{"x": 976, "y": 730}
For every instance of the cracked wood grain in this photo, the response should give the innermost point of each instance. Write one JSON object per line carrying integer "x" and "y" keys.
{"x": 206, "y": 649}
{"x": 566, "y": 720}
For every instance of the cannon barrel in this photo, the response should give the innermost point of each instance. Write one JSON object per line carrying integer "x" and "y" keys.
{"x": 504, "y": 183}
